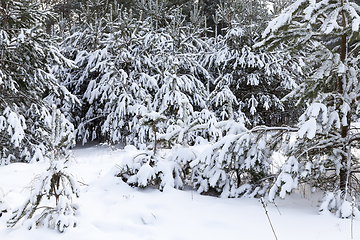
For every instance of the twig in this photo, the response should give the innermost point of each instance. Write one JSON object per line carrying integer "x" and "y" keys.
{"x": 84, "y": 184}
{"x": 277, "y": 208}
{"x": 352, "y": 217}
{"x": 266, "y": 212}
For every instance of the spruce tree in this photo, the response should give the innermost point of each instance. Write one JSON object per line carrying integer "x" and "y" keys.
{"x": 326, "y": 34}
{"x": 26, "y": 56}
{"x": 238, "y": 163}
{"x": 123, "y": 61}
{"x": 56, "y": 184}
{"x": 249, "y": 82}
{"x": 101, "y": 47}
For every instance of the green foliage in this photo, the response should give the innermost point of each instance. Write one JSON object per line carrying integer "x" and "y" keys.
{"x": 26, "y": 57}
{"x": 326, "y": 35}
{"x": 169, "y": 171}
{"x": 250, "y": 82}
{"x": 56, "y": 184}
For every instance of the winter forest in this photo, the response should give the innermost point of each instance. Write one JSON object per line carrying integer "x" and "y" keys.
{"x": 226, "y": 99}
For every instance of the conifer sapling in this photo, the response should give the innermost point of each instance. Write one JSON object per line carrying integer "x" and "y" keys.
{"x": 56, "y": 184}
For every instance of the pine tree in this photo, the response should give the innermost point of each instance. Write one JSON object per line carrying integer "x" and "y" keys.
{"x": 26, "y": 56}
{"x": 182, "y": 79}
{"x": 123, "y": 62}
{"x": 326, "y": 34}
{"x": 93, "y": 46}
{"x": 239, "y": 163}
{"x": 249, "y": 82}
{"x": 55, "y": 184}
{"x": 154, "y": 168}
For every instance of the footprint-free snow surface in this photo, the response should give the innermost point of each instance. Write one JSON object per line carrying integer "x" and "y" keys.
{"x": 110, "y": 209}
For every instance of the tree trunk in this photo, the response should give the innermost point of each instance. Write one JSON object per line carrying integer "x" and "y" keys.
{"x": 343, "y": 175}
{"x": 155, "y": 140}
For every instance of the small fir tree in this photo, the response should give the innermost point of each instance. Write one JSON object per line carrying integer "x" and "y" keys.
{"x": 56, "y": 184}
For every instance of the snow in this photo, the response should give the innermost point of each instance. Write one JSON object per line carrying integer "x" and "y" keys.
{"x": 16, "y": 127}
{"x": 110, "y": 209}
{"x": 145, "y": 174}
{"x": 308, "y": 127}
{"x": 282, "y": 19}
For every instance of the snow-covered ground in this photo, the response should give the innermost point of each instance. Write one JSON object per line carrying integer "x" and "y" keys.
{"x": 110, "y": 209}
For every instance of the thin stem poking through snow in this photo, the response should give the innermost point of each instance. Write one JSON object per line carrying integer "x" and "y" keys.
{"x": 352, "y": 217}
{"x": 267, "y": 215}
{"x": 277, "y": 208}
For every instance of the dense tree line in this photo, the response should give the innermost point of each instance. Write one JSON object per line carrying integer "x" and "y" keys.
{"x": 247, "y": 77}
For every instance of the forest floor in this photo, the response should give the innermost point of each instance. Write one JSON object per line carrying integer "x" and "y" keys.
{"x": 110, "y": 209}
